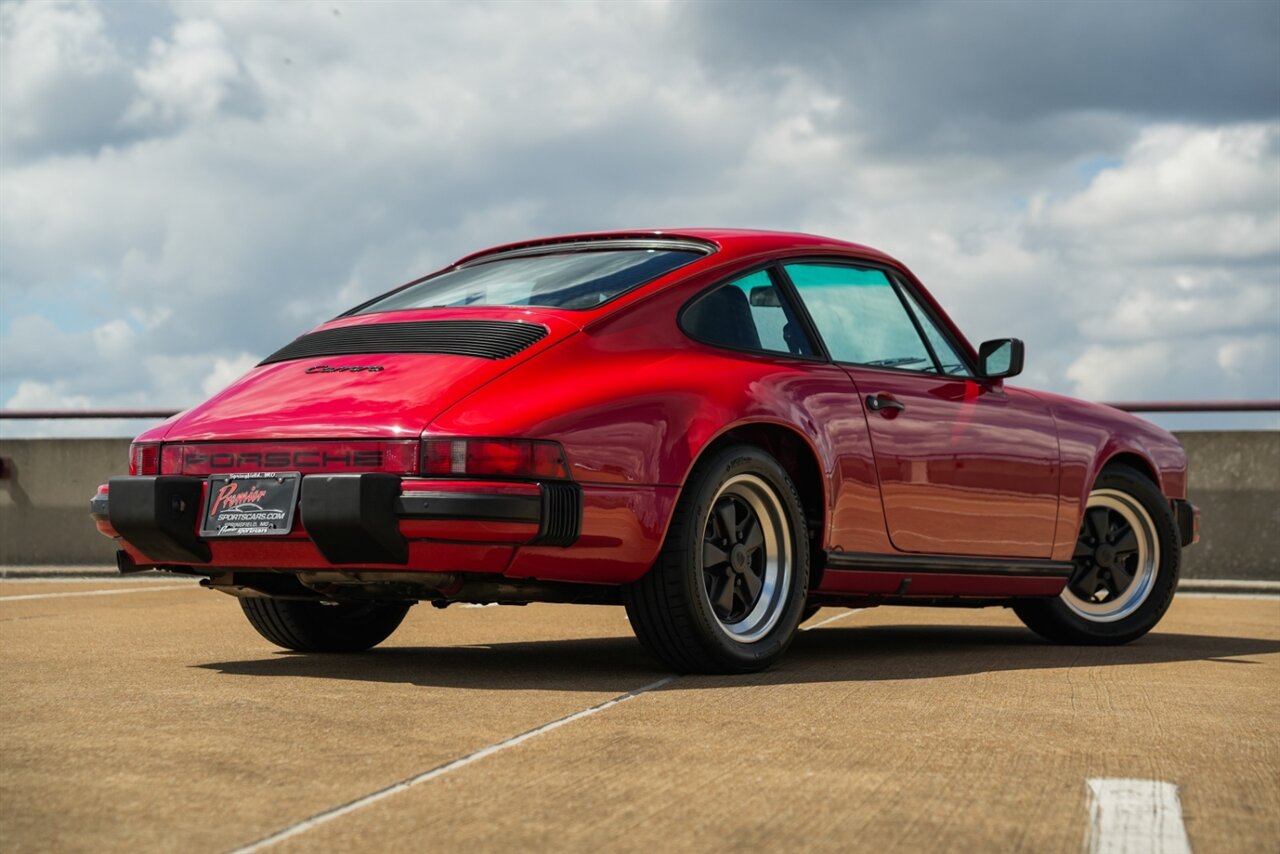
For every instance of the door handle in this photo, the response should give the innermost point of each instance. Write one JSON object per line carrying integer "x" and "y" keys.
{"x": 880, "y": 402}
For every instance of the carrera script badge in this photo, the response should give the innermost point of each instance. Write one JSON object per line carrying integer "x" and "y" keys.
{"x": 344, "y": 369}
{"x": 250, "y": 505}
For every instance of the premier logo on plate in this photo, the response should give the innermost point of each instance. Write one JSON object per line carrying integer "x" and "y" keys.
{"x": 256, "y": 504}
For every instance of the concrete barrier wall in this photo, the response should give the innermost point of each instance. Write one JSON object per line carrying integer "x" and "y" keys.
{"x": 1234, "y": 478}
{"x": 44, "y": 500}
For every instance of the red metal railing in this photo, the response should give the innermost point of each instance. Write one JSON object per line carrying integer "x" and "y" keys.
{"x": 1126, "y": 405}
{"x": 63, "y": 414}
{"x": 1197, "y": 405}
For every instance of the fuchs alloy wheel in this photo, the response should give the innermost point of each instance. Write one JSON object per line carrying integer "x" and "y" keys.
{"x": 746, "y": 557}
{"x": 324, "y": 626}
{"x": 1117, "y": 558}
{"x": 728, "y": 589}
{"x": 1126, "y": 560}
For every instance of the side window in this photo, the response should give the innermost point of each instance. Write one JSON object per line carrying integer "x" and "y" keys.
{"x": 952, "y": 362}
{"x": 859, "y": 316}
{"x": 747, "y": 314}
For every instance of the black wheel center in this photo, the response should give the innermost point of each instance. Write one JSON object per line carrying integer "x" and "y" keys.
{"x": 738, "y": 558}
{"x": 1105, "y": 556}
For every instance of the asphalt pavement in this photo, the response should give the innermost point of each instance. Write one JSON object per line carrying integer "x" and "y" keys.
{"x": 148, "y": 716}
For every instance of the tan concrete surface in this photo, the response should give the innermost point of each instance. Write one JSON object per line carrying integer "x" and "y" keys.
{"x": 160, "y": 721}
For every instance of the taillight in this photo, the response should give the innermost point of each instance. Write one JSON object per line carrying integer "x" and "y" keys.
{"x": 518, "y": 458}
{"x": 144, "y": 458}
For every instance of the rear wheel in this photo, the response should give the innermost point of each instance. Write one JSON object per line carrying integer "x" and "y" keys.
{"x": 1126, "y": 567}
{"x": 324, "y": 626}
{"x": 728, "y": 589}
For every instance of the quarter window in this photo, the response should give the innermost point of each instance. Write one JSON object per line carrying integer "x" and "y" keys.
{"x": 859, "y": 316}
{"x": 750, "y": 313}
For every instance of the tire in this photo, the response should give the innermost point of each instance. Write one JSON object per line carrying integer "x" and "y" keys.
{"x": 324, "y": 627}
{"x": 728, "y": 588}
{"x": 1128, "y": 554}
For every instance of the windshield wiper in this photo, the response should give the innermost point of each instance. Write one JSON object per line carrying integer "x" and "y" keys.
{"x": 898, "y": 362}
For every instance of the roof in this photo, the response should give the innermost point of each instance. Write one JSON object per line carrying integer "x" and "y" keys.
{"x": 735, "y": 241}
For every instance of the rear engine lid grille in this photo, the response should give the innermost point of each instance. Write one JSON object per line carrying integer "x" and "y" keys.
{"x": 483, "y": 339}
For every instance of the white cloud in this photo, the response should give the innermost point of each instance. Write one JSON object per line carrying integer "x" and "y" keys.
{"x": 54, "y": 396}
{"x": 1171, "y": 258}
{"x": 1155, "y": 307}
{"x": 1216, "y": 367}
{"x": 1181, "y": 193}
{"x": 1122, "y": 371}
{"x": 1245, "y": 356}
{"x": 188, "y": 77}
{"x": 225, "y": 372}
{"x": 62, "y": 81}
{"x": 114, "y": 340}
{"x": 37, "y": 395}
{"x": 106, "y": 366}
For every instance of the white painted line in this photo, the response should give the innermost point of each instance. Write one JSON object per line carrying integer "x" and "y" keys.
{"x": 1225, "y": 585}
{"x": 439, "y": 771}
{"x": 141, "y": 578}
{"x": 1226, "y": 594}
{"x": 1135, "y": 817}
{"x": 828, "y": 620}
{"x": 166, "y": 589}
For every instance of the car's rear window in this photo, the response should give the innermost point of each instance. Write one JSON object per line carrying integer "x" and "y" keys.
{"x": 576, "y": 280}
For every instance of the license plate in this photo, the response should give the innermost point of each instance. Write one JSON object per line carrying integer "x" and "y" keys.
{"x": 259, "y": 504}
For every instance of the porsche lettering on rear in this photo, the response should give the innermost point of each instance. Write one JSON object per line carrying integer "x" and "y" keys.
{"x": 249, "y": 460}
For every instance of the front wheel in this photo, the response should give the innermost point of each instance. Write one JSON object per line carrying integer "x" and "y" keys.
{"x": 1126, "y": 567}
{"x": 728, "y": 589}
{"x": 324, "y": 626}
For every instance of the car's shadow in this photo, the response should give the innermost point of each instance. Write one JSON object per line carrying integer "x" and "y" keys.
{"x": 852, "y": 654}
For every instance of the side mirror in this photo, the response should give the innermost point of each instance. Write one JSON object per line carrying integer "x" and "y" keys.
{"x": 1000, "y": 358}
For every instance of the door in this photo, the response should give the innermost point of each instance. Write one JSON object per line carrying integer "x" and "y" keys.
{"x": 755, "y": 314}
{"x": 966, "y": 466}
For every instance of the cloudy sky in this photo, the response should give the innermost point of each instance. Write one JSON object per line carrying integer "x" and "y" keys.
{"x": 186, "y": 186}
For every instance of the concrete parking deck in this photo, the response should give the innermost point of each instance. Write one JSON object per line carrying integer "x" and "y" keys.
{"x": 147, "y": 715}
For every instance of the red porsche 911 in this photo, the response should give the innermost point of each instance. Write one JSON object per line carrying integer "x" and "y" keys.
{"x": 719, "y": 430}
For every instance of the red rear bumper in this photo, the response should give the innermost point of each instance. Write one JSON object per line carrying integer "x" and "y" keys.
{"x": 367, "y": 520}
{"x": 595, "y": 533}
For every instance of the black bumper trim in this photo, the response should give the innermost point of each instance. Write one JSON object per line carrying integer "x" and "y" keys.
{"x": 561, "y": 515}
{"x": 1185, "y": 513}
{"x": 946, "y": 564}
{"x": 470, "y": 505}
{"x": 157, "y": 515}
{"x": 351, "y": 517}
